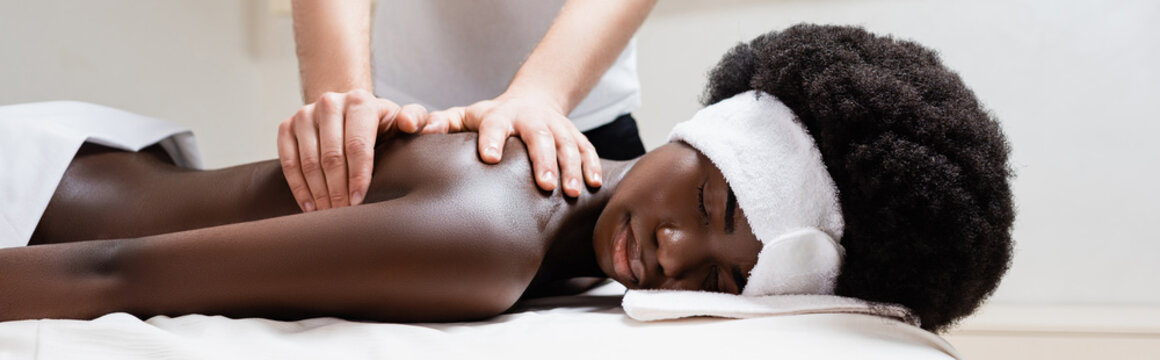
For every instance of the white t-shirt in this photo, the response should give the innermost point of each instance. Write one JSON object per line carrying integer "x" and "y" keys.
{"x": 444, "y": 53}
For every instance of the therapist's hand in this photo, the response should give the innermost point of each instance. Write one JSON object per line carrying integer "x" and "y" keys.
{"x": 327, "y": 147}
{"x": 556, "y": 148}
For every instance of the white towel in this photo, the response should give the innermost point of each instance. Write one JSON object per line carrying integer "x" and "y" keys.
{"x": 39, "y": 140}
{"x": 652, "y": 305}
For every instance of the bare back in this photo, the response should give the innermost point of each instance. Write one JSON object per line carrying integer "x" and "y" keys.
{"x": 454, "y": 237}
{"x": 107, "y": 193}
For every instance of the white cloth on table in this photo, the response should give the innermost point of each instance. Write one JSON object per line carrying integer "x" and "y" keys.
{"x": 589, "y": 326}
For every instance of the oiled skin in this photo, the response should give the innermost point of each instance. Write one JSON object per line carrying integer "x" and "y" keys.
{"x": 442, "y": 237}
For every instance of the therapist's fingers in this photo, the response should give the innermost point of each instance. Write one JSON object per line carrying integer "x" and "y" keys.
{"x": 589, "y": 158}
{"x": 447, "y": 121}
{"x": 411, "y": 119}
{"x": 359, "y": 133}
{"x": 494, "y": 129}
{"x": 309, "y": 160}
{"x": 541, "y": 145}
{"x": 288, "y": 153}
{"x": 437, "y": 123}
{"x": 329, "y": 115}
{"x": 568, "y": 156}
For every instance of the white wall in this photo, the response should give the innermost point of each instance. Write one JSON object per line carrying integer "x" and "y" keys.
{"x": 1074, "y": 83}
{"x": 225, "y": 68}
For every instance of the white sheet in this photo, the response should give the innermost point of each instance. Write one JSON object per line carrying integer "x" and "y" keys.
{"x": 39, "y": 140}
{"x": 591, "y": 326}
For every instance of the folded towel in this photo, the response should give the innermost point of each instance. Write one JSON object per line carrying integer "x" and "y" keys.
{"x": 651, "y": 305}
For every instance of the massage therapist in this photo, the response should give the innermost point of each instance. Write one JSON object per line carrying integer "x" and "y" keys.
{"x": 560, "y": 75}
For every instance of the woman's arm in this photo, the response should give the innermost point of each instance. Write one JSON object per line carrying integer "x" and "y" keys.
{"x": 390, "y": 261}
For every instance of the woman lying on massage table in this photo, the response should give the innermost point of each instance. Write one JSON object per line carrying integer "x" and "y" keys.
{"x": 908, "y": 172}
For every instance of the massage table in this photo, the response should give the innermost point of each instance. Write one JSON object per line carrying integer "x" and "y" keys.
{"x": 39, "y": 140}
{"x": 587, "y": 326}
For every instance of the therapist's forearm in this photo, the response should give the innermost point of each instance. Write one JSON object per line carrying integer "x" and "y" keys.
{"x": 333, "y": 45}
{"x": 582, "y": 43}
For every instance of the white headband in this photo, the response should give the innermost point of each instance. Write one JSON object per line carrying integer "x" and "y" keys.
{"x": 777, "y": 174}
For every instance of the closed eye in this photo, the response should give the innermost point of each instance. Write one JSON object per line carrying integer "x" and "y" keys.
{"x": 701, "y": 204}
{"x": 730, "y": 209}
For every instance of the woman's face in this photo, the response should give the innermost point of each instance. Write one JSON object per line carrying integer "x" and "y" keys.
{"x": 673, "y": 223}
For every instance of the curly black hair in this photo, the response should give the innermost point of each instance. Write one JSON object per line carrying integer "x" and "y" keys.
{"x": 920, "y": 166}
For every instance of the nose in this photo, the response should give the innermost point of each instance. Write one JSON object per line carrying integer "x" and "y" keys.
{"x": 679, "y": 252}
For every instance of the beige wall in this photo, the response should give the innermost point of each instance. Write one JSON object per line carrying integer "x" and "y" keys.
{"x": 225, "y": 68}
{"x": 1074, "y": 82}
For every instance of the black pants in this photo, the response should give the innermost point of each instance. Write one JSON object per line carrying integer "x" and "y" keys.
{"x": 617, "y": 140}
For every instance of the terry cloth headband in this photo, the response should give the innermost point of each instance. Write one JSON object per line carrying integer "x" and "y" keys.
{"x": 777, "y": 174}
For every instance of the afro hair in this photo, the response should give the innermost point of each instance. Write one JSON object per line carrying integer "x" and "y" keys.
{"x": 921, "y": 168}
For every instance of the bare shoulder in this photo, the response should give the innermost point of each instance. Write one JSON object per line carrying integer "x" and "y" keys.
{"x": 448, "y": 154}
{"x": 446, "y": 170}
{"x": 449, "y": 165}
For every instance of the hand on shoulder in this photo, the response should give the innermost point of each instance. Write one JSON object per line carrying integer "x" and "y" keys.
{"x": 327, "y": 147}
{"x": 560, "y": 153}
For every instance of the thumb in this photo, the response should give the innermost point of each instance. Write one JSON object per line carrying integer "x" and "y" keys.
{"x": 412, "y": 118}
{"x": 458, "y": 120}
{"x": 388, "y": 113}
{"x": 494, "y": 128}
{"x": 440, "y": 122}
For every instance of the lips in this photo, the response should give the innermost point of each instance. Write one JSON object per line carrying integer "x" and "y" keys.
{"x": 634, "y": 258}
{"x": 625, "y": 252}
{"x": 627, "y": 261}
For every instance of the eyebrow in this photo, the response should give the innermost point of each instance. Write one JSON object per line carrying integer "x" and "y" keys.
{"x": 730, "y": 207}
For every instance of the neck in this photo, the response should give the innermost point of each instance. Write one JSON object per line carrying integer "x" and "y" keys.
{"x": 571, "y": 253}
{"x": 614, "y": 172}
